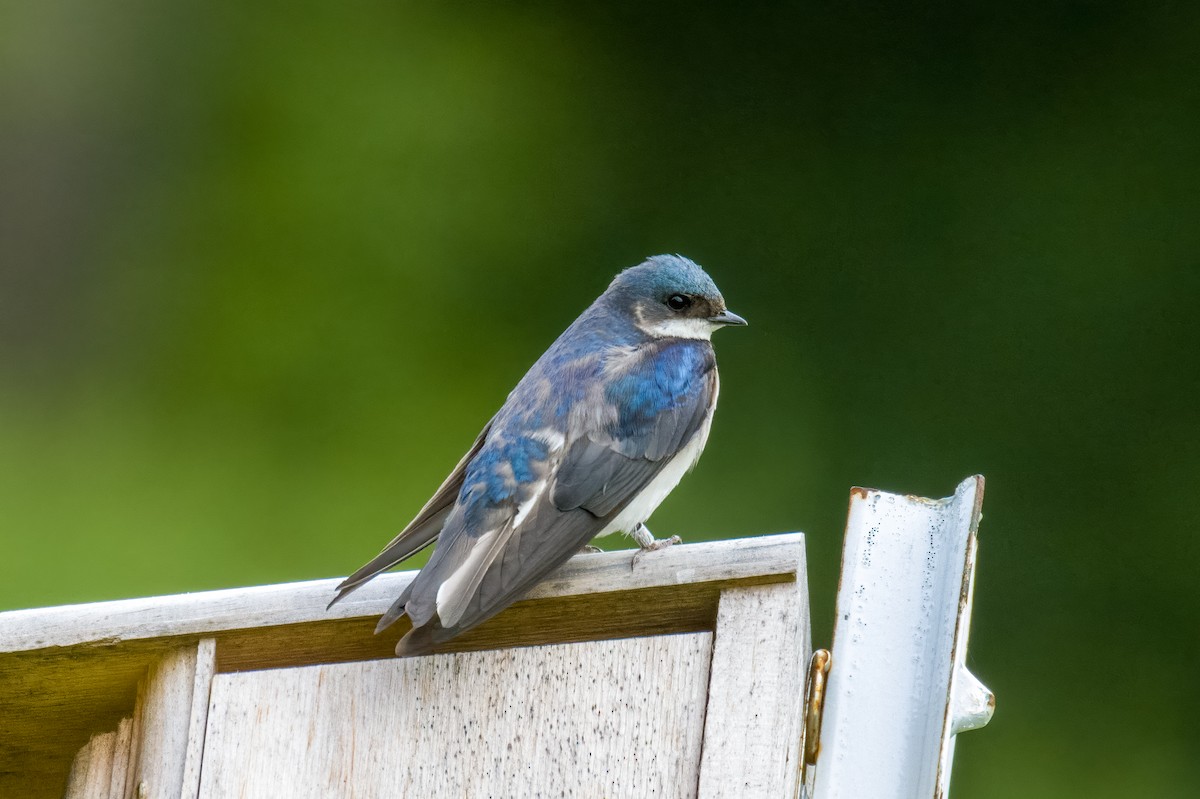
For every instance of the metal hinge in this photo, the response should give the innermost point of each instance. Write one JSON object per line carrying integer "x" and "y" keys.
{"x": 814, "y": 705}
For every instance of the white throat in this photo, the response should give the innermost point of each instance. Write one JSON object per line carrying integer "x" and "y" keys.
{"x": 693, "y": 328}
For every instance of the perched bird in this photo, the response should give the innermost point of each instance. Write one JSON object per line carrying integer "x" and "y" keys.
{"x": 592, "y": 439}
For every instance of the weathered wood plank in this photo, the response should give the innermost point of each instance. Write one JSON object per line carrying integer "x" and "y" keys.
{"x": 91, "y": 772}
{"x": 209, "y": 612}
{"x": 77, "y": 691}
{"x": 752, "y": 731}
{"x": 75, "y": 670}
{"x": 162, "y": 722}
{"x": 129, "y": 791}
{"x": 206, "y": 664}
{"x": 651, "y": 611}
{"x": 121, "y": 760}
{"x": 101, "y": 768}
{"x": 51, "y": 703}
{"x": 619, "y": 718}
{"x": 169, "y": 721}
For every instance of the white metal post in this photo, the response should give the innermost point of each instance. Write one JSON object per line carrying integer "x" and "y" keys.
{"x": 898, "y": 690}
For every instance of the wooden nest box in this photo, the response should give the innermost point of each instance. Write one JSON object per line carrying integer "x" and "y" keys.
{"x": 680, "y": 674}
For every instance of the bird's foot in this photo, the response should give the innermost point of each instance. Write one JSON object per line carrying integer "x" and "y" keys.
{"x": 591, "y": 549}
{"x": 661, "y": 543}
{"x": 648, "y": 543}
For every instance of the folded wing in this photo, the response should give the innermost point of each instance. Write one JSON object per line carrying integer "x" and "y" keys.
{"x": 581, "y": 487}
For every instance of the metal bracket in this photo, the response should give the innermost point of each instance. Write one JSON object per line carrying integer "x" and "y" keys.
{"x": 890, "y": 711}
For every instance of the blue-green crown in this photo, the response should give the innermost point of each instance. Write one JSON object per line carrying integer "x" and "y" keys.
{"x": 662, "y": 275}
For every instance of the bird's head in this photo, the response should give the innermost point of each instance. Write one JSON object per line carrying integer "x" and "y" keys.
{"x": 669, "y": 296}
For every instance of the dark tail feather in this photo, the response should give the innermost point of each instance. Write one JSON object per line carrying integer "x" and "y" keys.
{"x": 422, "y": 530}
{"x": 417, "y": 641}
{"x": 405, "y": 545}
{"x": 395, "y": 611}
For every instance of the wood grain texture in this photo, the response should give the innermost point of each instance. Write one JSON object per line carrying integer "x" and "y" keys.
{"x": 752, "y": 733}
{"x": 162, "y": 721}
{"x": 209, "y": 612}
{"x": 51, "y": 703}
{"x": 91, "y": 773}
{"x": 620, "y": 718}
{"x": 122, "y": 760}
{"x": 170, "y": 719}
{"x": 206, "y": 664}
{"x": 69, "y": 673}
{"x": 690, "y": 607}
{"x": 101, "y": 767}
{"x": 158, "y": 750}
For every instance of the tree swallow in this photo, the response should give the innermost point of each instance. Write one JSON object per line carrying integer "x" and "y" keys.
{"x": 592, "y": 439}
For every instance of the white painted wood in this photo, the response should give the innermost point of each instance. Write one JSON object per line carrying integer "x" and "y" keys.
{"x": 754, "y": 724}
{"x": 902, "y": 615}
{"x": 290, "y": 603}
{"x": 617, "y": 718}
{"x": 170, "y": 720}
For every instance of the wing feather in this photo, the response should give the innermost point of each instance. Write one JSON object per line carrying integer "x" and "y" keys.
{"x": 599, "y": 474}
{"x": 602, "y": 472}
{"x": 422, "y": 530}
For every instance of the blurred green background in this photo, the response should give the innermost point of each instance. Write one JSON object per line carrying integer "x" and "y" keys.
{"x": 266, "y": 269}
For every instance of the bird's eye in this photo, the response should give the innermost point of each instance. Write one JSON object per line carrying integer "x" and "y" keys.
{"x": 677, "y": 302}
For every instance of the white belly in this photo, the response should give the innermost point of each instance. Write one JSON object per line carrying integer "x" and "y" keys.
{"x": 650, "y": 497}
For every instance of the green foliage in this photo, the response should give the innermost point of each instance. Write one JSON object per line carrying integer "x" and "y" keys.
{"x": 264, "y": 272}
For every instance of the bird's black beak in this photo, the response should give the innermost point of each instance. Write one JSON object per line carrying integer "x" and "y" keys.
{"x": 727, "y": 318}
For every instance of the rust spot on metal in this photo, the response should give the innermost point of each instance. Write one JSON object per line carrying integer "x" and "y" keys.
{"x": 927, "y": 501}
{"x": 977, "y": 510}
{"x": 964, "y": 591}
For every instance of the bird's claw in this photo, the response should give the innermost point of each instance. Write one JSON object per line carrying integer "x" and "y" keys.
{"x": 591, "y": 549}
{"x": 648, "y": 543}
